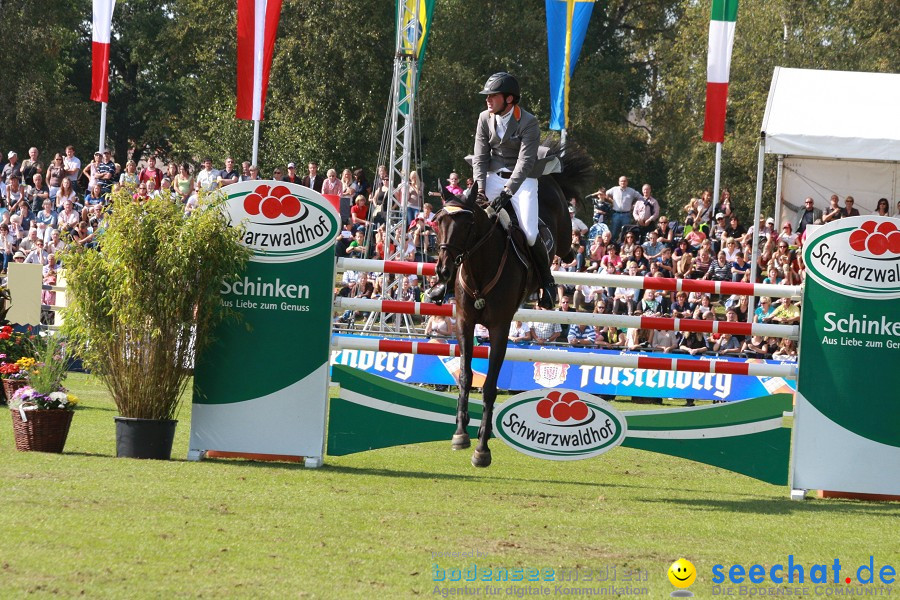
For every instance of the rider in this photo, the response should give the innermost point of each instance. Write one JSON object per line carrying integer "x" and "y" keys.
{"x": 506, "y": 149}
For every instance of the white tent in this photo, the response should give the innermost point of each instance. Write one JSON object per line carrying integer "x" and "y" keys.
{"x": 835, "y": 132}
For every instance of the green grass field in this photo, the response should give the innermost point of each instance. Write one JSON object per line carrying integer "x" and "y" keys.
{"x": 85, "y": 524}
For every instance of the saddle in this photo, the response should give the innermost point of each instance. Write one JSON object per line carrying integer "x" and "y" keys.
{"x": 510, "y": 224}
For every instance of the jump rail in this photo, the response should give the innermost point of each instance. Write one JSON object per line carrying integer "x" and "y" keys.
{"x": 627, "y": 361}
{"x": 574, "y": 318}
{"x": 566, "y": 278}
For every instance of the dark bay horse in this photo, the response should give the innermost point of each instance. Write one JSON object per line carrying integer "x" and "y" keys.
{"x": 491, "y": 283}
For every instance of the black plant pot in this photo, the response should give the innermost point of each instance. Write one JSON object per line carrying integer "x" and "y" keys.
{"x": 144, "y": 438}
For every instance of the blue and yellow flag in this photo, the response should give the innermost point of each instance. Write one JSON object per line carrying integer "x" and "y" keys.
{"x": 407, "y": 13}
{"x": 567, "y": 22}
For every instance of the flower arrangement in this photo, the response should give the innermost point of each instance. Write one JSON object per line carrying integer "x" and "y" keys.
{"x": 16, "y": 344}
{"x": 27, "y": 398}
{"x": 21, "y": 369}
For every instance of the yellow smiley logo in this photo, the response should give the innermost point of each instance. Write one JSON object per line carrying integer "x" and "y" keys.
{"x": 682, "y": 573}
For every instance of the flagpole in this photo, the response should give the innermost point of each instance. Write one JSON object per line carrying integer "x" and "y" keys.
{"x": 102, "y": 145}
{"x": 255, "y": 142}
{"x": 715, "y": 198}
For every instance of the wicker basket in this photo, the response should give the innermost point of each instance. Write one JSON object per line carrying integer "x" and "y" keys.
{"x": 11, "y": 385}
{"x": 44, "y": 430}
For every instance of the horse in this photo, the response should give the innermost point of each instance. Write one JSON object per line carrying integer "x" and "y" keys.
{"x": 491, "y": 283}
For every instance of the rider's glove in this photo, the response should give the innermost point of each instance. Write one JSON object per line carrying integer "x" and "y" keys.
{"x": 501, "y": 200}
{"x": 481, "y": 199}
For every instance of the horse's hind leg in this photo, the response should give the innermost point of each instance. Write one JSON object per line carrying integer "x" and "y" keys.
{"x": 465, "y": 337}
{"x": 499, "y": 338}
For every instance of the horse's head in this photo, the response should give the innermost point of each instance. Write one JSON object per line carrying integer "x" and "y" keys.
{"x": 456, "y": 232}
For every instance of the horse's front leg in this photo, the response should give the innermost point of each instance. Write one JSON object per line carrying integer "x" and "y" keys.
{"x": 465, "y": 335}
{"x": 499, "y": 339}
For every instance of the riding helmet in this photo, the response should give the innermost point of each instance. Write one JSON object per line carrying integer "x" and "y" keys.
{"x": 502, "y": 83}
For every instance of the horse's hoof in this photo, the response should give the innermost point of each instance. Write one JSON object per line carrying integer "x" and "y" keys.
{"x": 481, "y": 459}
{"x": 460, "y": 441}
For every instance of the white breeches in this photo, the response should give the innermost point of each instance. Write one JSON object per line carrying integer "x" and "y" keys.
{"x": 525, "y": 201}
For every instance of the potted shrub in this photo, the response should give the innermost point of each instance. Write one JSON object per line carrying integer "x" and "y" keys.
{"x": 144, "y": 301}
{"x": 42, "y": 409}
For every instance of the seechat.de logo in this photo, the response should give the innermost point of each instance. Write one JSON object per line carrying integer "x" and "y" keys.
{"x": 559, "y": 424}
{"x": 856, "y": 256}
{"x": 283, "y": 221}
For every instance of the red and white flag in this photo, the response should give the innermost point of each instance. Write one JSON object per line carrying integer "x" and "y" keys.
{"x": 718, "y": 67}
{"x": 257, "y": 24}
{"x": 103, "y": 11}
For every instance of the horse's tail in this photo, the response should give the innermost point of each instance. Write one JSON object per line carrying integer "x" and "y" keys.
{"x": 578, "y": 169}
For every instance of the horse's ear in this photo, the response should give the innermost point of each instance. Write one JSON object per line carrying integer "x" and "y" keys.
{"x": 471, "y": 194}
{"x": 447, "y": 195}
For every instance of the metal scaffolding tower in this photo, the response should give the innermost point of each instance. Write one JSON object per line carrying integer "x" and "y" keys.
{"x": 402, "y": 153}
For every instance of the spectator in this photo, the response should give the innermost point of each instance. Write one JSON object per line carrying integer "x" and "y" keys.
{"x": 810, "y": 214}
{"x": 69, "y": 217}
{"x": 704, "y": 209}
{"x": 623, "y": 198}
{"x": 32, "y": 166}
{"x": 246, "y": 175}
{"x": 83, "y": 235}
{"x": 72, "y": 165}
{"x": 56, "y": 172}
{"x": 38, "y": 256}
{"x": 292, "y": 175}
{"x": 578, "y": 225}
{"x": 359, "y": 214}
{"x": 755, "y": 346}
{"x": 331, "y": 185}
{"x": 650, "y": 303}
{"x": 882, "y": 208}
{"x": 8, "y": 246}
{"x": 206, "y": 178}
{"x": 313, "y": 179}
{"x": 653, "y": 248}
{"x": 37, "y": 193}
{"x": 544, "y": 333}
{"x": 612, "y": 262}
{"x": 228, "y": 175}
{"x": 106, "y": 173}
{"x": 414, "y": 199}
{"x": 92, "y": 169}
{"x": 581, "y": 336}
{"x": 129, "y": 177}
{"x": 725, "y": 204}
{"x": 628, "y": 245}
{"x": 787, "y": 350}
{"x": 692, "y": 342}
{"x": 640, "y": 261}
{"x": 665, "y": 231}
{"x": 439, "y": 326}
{"x": 786, "y": 314}
{"x": 151, "y": 172}
{"x": 728, "y": 344}
{"x": 47, "y": 215}
{"x": 834, "y": 211}
{"x": 720, "y": 269}
{"x": 565, "y": 305}
{"x": 788, "y": 235}
{"x": 94, "y": 198}
{"x": 184, "y": 183}
{"x": 665, "y": 263}
{"x": 253, "y": 171}
{"x": 12, "y": 168}
{"x": 14, "y": 192}
{"x": 519, "y": 333}
{"x": 849, "y": 211}
{"x": 646, "y": 210}
{"x": 625, "y": 299}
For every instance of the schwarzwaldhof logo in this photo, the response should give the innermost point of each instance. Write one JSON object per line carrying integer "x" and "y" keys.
{"x": 283, "y": 222}
{"x": 559, "y": 424}
{"x": 857, "y": 256}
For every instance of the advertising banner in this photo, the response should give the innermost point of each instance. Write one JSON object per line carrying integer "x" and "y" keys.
{"x": 262, "y": 386}
{"x": 846, "y": 433}
{"x": 614, "y": 381}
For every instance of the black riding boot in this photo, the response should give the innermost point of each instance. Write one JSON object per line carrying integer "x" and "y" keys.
{"x": 542, "y": 265}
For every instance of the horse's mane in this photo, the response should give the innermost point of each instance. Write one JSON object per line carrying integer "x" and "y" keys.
{"x": 578, "y": 168}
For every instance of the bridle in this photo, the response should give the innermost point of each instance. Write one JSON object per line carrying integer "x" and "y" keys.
{"x": 466, "y": 251}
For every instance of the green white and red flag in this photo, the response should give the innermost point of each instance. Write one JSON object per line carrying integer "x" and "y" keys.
{"x": 718, "y": 66}
{"x": 100, "y": 34}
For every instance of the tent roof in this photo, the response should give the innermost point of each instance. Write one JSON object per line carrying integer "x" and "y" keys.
{"x": 833, "y": 114}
